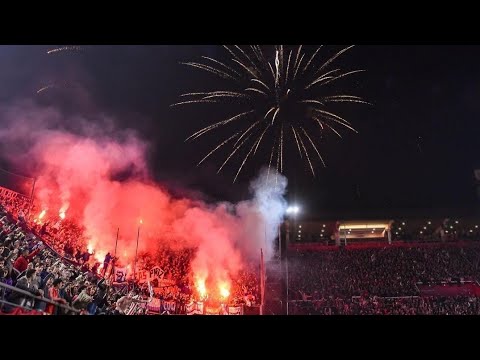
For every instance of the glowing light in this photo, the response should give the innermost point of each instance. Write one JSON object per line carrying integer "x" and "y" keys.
{"x": 293, "y": 210}
{"x": 141, "y": 221}
{"x": 224, "y": 291}
{"x": 429, "y": 223}
{"x": 363, "y": 226}
{"x": 201, "y": 288}
{"x": 403, "y": 223}
{"x": 90, "y": 248}
{"x": 62, "y": 215}
{"x": 42, "y": 214}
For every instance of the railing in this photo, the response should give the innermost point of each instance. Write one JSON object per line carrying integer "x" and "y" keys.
{"x": 3, "y": 301}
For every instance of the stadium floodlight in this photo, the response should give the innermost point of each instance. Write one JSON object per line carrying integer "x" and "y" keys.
{"x": 294, "y": 210}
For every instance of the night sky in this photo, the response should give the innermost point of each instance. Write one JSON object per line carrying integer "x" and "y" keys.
{"x": 417, "y": 145}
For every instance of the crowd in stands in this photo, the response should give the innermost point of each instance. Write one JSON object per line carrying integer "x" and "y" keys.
{"x": 51, "y": 262}
{"x": 28, "y": 264}
{"x": 383, "y": 280}
{"x": 455, "y": 305}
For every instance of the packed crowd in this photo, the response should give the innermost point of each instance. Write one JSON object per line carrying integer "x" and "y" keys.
{"x": 64, "y": 271}
{"x": 28, "y": 264}
{"x": 382, "y": 280}
{"x": 455, "y": 305}
{"x": 51, "y": 262}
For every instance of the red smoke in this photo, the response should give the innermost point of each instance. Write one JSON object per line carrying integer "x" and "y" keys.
{"x": 76, "y": 176}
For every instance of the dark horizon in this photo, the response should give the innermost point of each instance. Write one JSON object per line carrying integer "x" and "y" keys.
{"x": 415, "y": 148}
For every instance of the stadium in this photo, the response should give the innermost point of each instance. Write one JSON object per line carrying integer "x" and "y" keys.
{"x": 104, "y": 211}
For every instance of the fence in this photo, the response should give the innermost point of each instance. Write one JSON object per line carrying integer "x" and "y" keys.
{"x": 4, "y": 301}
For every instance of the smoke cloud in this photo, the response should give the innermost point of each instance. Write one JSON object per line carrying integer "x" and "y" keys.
{"x": 98, "y": 175}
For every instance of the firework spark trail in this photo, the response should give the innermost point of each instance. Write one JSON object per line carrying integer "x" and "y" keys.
{"x": 275, "y": 115}
{"x": 233, "y": 153}
{"x": 343, "y": 75}
{"x": 323, "y": 77}
{"x": 52, "y": 85}
{"x": 193, "y": 102}
{"x": 65, "y": 48}
{"x": 246, "y": 132}
{"x": 278, "y": 156}
{"x": 281, "y": 155}
{"x": 223, "y": 122}
{"x": 262, "y": 83}
{"x": 260, "y": 139}
{"x": 271, "y": 158}
{"x": 298, "y": 67}
{"x": 288, "y": 66}
{"x": 251, "y": 61}
{"x": 268, "y": 112}
{"x": 223, "y": 65}
{"x": 246, "y": 68}
{"x": 296, "y": 140}
{"x": 277, "y": 77}
{"x": 255, "y": 144}
{"x": 257, "y": 90}
{"x": 313, "y": 145}
{"x": 306, "y": 154}
{"x": 337, "y": 119}
{"x": 311, "y": 59}
{"x": 329, "y": 61}
{"x": 210, "y": 69}
{"x": 289, "y": 90}
{"x": 218, "y": 147}
{"x": 45, "y": 88}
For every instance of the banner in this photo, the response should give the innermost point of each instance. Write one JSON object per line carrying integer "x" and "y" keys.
{"x": 213, "y": 310}
{"x": 198, "y": 308}
{"x": 169, "y": 306}
{"x": 120, "y": 275}
{"x": 235, "y": 310}
{"x": 155, "y": 305}
{"x": 8, "y": 194}
{"x": 194, "y": 308}
{"x": 190, "y": 308}
{"x": 154, "y": 275}
{"x": 165, "y": 282}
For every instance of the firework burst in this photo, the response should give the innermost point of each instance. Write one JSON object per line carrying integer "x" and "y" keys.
{"x": 283, "y": 93}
